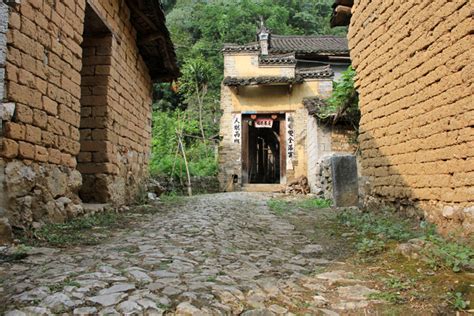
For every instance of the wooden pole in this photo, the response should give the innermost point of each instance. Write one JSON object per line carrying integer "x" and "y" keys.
{"x": 190, "y": 191}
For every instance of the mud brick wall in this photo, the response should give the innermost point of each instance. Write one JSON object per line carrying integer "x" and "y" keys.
{"x": 42, "y": 140}
{"x": 93, "y": 158}
{"x": 343, "y": 139}
{"x": 414, "y": 67}
{"x": 3, "y": 45}
{"x": 126, "y": 138}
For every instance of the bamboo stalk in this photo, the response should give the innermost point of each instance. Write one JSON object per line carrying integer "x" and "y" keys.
{"x": 190, "y": 191}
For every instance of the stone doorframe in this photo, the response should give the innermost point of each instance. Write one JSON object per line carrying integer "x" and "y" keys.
{"x": 245, "y": 155}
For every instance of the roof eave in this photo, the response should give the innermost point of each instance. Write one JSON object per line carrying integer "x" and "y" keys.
{"x": 153, "y": 39}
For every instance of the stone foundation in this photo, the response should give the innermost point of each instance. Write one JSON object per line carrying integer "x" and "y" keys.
{"x": 37, "y": 193}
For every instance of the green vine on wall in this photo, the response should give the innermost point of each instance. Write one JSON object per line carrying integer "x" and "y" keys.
{"x": 343, "y": 105}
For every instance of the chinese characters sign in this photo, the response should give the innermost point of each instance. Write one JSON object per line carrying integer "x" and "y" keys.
{"x": 263, "y": 123}
{"x": 290, "y": 141}
{"x": 236, "y": 128}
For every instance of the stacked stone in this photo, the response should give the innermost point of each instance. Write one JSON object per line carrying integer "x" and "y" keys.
{"x": 325, "y": 179}
{"x": 414, "y": 75}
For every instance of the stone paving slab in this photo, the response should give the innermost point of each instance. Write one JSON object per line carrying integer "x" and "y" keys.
{"x": 223, "y": 254}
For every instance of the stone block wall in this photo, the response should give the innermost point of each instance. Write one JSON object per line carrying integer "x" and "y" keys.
{"x": 230, "y": 162}
{"x": 42, "y": 142}
{"x": 414, "y": 67}
{"x": 324, "y": 141}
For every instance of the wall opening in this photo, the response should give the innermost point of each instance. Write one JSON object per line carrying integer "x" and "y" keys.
{"x": 262, "y": 152}
{"x": 95, "y": 74}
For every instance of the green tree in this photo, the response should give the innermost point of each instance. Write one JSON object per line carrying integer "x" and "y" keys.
{"x": 196, "y": 74}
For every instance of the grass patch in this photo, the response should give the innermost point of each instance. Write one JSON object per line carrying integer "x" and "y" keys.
{"x": 457, "y": 301}
{"x": 375, "y": 231}
{"x": 390, "y": 297}
{"x": 20, "y": 252}
{"x": 86, "y": 230}
{"x": 445, "y": 253}
{"x": 172, "y": 199}
{"x": 309, "y": 204}
{"x": 280, "y": 206}
{"x": 58, "y": 287}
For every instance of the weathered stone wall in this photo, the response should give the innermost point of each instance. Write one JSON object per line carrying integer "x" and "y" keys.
{"x": 42, "y": 140}
{"x": 230, "y": 162}
{"x": 414, "y": 67}
{"x": 324, "y": 141}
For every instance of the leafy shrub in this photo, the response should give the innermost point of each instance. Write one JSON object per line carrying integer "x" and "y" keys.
{"x": 369, "y": 246}
{"x": 344, "y": 100}
{"x": 444, "y": 253}
{"x": 315, "y": 203}
{"x": 384, "y": 225}
{"x": 280, "y": 206}
{"x": 166, "y": 159}
{"x": 457, "y": 301}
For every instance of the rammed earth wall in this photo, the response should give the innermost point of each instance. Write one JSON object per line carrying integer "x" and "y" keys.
{"x": 105, "y": 125}
{"x": 414, "y": 67}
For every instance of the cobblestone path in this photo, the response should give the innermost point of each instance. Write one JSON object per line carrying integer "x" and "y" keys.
{"x": 224, "y": 254}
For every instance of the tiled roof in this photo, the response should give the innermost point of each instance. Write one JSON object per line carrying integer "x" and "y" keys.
{"x": 251, "y": 47}
{"x": 301, "y": 74}
{"x": 153, "y": 39}
{"x": 298, "y": 44}
{"x": 286, "y": 59}
{"x": 314, "y": 104}
{"x": 262, "y": 80}
{"x": 315, "y": 72}
{"x": 309, "y": 44}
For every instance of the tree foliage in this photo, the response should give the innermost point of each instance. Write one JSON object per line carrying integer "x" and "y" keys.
{"x": 166, "y": 159}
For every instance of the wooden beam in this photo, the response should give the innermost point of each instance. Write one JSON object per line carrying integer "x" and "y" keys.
{"x": 150, "y": 38}
{"x": 347, "y": 3}
{"x": 340, "y": 9}
{"x": 341, "y": 16}
{"x": 145, "y": 18}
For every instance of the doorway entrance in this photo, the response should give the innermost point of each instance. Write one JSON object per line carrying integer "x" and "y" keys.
{"x": 263, "y": 159}
{"x": 95, "y": 82}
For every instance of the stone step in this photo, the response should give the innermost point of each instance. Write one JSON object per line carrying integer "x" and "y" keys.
{"x": 262, "y": 187}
